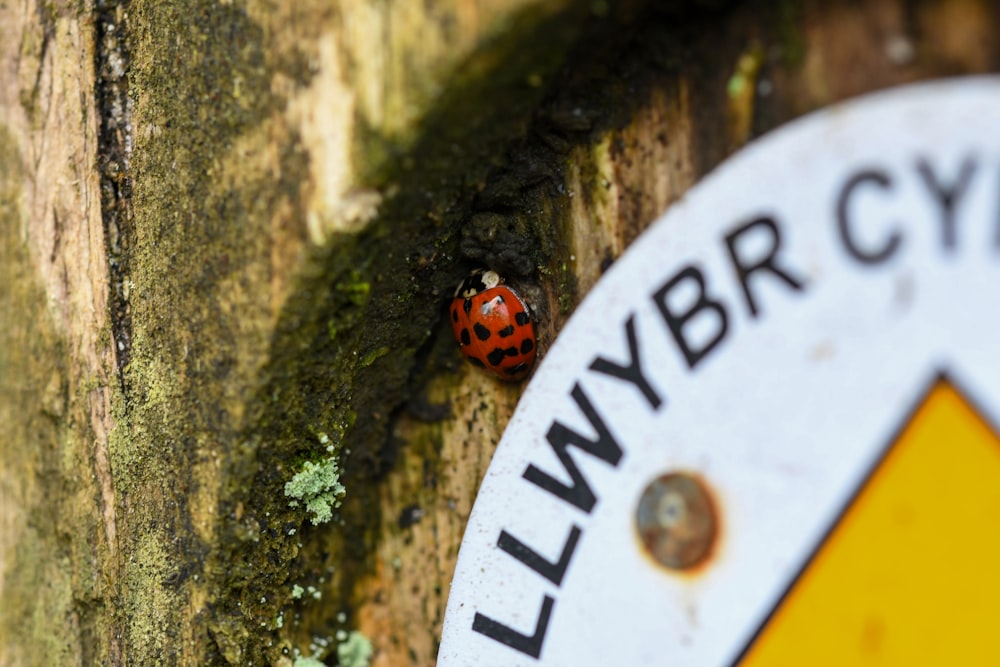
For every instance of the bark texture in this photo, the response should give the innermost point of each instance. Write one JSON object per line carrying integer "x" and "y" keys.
{"x": 227, "y": 234}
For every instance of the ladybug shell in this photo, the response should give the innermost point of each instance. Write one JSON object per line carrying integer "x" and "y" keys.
{"x": 492, "y": 326}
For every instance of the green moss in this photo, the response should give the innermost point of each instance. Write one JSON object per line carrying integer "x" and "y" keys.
{"x": 203, "y": 205}
{"x": 318, "y": 487}
{"x": 788, "y": 16}
{"x": 375, "y": 354}
{"x": 354, "y": 288}
{"x": 566, "y": 301}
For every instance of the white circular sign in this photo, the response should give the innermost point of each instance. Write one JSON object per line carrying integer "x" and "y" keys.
{"x": 770, "y": 337}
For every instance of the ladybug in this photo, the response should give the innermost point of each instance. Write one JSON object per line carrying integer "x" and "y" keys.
{"x": 492, "y": 326}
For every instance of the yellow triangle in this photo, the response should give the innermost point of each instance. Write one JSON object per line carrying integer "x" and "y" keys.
{"x": 910, "y": 575}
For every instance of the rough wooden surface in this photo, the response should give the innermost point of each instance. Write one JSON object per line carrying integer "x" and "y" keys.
{"x": 57, "y": 498}
{"x": 227, "y": 231}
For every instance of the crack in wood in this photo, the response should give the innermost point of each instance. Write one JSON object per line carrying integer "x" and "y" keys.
{"x": 114, "y": 110}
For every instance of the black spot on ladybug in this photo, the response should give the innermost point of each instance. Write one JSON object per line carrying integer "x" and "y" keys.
{"x": 511, "y": 351}
{"x": 467, "y": 306}
{"x": 496, "y": 356}
{"x": 521, "y": 318}
{"x": 482, "y": 333}
{"x": 507, "y": 331}
{"x": 476, "y": 362}
{"x": 454, "y": 314}
{"x": 526, "y": 346}
{"x": 466, "y": 338}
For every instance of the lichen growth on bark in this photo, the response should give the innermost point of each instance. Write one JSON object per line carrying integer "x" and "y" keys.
{"x": 354, "y": 650}
{"x": 318, "y": 487}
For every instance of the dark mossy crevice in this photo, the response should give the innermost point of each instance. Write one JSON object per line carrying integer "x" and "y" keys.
{"x": 357, "y": 335}
{"x": 481, "y": 184}
{"x": 114, "y": 142}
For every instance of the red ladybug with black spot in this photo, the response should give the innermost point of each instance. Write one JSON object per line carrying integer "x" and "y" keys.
{"x": 492, "y": 326}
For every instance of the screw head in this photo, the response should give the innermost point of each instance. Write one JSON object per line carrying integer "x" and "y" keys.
{"x": 676, "y": 520}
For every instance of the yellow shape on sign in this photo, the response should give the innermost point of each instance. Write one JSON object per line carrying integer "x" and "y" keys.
{"x": 910, "y": 575}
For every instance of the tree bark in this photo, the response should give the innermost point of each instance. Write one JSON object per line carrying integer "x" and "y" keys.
{"x": 227, "y": 235}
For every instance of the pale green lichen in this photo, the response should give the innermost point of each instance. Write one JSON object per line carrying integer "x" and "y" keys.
{"x": 303, "y": 661}
{"x": 297, "y": 592}
{"x": 745, "y": 75}
{"x": 318, "y": 487}
{"x": 354, "y": 650}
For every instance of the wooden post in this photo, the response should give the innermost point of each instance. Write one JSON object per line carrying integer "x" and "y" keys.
{"x": 227, "y": 234}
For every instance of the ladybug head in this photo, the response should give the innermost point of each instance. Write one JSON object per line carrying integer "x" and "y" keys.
{"x": 478, "y": 281}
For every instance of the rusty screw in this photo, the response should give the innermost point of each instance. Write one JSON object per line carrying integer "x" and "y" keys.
{"x": 676, "y": 520}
